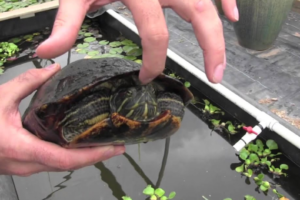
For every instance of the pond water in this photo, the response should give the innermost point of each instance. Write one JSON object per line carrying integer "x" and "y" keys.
{"x": 194, "y": 163}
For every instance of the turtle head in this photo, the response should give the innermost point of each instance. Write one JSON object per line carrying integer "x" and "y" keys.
{"x": 136, "y": 103}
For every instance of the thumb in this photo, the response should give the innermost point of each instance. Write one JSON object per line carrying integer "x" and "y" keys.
{"x": 26, "y": 83}
{"x": 67, "y": 24}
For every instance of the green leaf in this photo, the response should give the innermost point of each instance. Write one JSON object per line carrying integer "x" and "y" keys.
{"x": 153, "y": 197}
{"x": 253, "y": 147}
{"x": 126, "y": 198}
{"x": 129, "y": 57}
{"x": 253, "y": 157}
{"x": 159, "y": 192}
{"x": 138, "y": 61}
{"x": 263, "y": 188}
{"x": 268, "y": 163}
{"x": 248, "y": 197}
{"x": 215, "y": 122}
{"x": 163, "y": 198}
{"x": 240, "y": 168}
{"x": 127, "y": 42}
{"x": 81, "y": 33}
{"x": 243, "y": 155}
{"x": 15, "y": 40}
{"x": 115, "y": 50}
{"x": 272, "y": 145}
{"x": 227, "y": 199}
{"x": 103, "y": 42}
{"x": 88, "y": 34}
{"x": 187, "y": 84}
{"x": 260, "y": 145}
{"x": 129, "y": 48}
{"x": 84, "y": 26}
{"x": 284, "y": 166}
{"x": 93, "y": 53}
{"x": 266, "y": 152}
{"x": 89, "y": 39}
{"x": 248, "y": 162}
{"x": 172, "y": 195}
{"x": 273, "y": 155}
{"x": 115, "y": 44}
{"x": 82, "y": 46}
{"x": 261, "y": 176}
{"x": 82, "y": 51}
{"x": 148, "y": 190}
{"x": 135, "y": 52}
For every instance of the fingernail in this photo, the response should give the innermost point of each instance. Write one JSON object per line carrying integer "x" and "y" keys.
{"x": 218, "y": 74}
{"x": 236, "y": 13}
{"x": 119, "y": 150}
{"x": 51, "y": 67}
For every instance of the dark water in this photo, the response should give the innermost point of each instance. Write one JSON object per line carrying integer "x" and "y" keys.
{"x": 193, "y": 163}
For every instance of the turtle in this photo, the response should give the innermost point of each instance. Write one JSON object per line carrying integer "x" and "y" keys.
{"x": 100, "y": 101}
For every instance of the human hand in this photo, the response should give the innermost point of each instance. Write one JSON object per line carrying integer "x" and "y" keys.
{"x": 149, "y": 19}
{"x": 21, "y": 152}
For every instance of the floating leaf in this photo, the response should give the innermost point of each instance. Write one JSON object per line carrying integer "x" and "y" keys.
{"x": 82, "y": 51}
{"x": 266, "y": 152}
{"x": 243, "y": 155}
{"x": 227, "y": 199}
{"x": 15, "y": 40}
{"x": 81, "y": 33}
{"x": 163, "y": 198}
{"x": 284, "y": 166}
{"x": 187, "y": 84}
{"x": 215, "y": 122}
{"x": 82, "y": 46}
{"x": 126, "y": 198}
{"x": 127, "y": 42}
{"x": 87, "y": 34}
{"x": 135, "y": 52}
{"x": 248, "y": 197}
{"x": 115, "y": 44}
{"x": 240, "y": 168}
{"x": 148, "y": 190}
{"x": 116, "y": 50}
{"x": 263, "y": 188}
{"x": 159, "y": 192}
{"x": 129, "y": 57}
{"x": 260, "y": 145}
{"x": 272, "y": 145}
{"x": 253, "y": 147}
{"x": 89, "y": 39}
{"x": 84, "y": 26}
{"x": 172, "y": 195}
{"x": 253, "y": 157}
{"x": 129, "y": 48}
{"x": 93, "y": 53}
{"x": 138, "y": 61}
{"x": 103, "y": 42}
{"x": 153, "y": 197}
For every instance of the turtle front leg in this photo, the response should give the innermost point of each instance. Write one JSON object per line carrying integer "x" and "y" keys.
{"x": 171, "y": 101}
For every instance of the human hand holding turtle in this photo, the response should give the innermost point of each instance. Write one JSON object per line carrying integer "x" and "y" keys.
{"x": 21, "y": 152}
{"x": 149, "y": 18}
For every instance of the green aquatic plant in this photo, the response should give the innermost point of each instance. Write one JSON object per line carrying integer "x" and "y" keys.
{"x": 259, "y": 156}
{"x": 154, "y": 194}
{"x": 6, "y": 6}
{"x": 7, "y": 50}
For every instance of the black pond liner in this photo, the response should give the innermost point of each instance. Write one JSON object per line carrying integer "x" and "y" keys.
{"x": 112, "y": 29}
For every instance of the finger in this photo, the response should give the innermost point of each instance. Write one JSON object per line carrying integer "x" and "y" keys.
{"x": 149, "y": 19}
{"x": 230, "y": 9}
{"x": 54, "y": 156}
{"x": 25, "y": 84}
{"x": 67, "y": 24}
{"x": 208, "y": 30}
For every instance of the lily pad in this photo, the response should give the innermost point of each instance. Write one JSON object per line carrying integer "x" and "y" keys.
{"x": 272, "y": 145}
{"x": 138, "y": 61}
{"x": 115, "y": 44}
{"x": 89, "y": 39}
{"x": 93, "y": 53}
{"x": 135, "y": 52}
{"x": 88, "y": 34}
{"x": 103, "y": 42}
{"x": 130, "y": 57}
{"x": 82, "y": 51}
{"x": 129, "y": 48}
{"x": 82, "y": 46}
{"x": 116, "y": 50}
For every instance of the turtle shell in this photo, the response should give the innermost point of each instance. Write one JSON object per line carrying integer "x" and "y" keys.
{"x": 74, "y": 82}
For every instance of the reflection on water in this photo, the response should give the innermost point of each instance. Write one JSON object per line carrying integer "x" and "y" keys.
{"x": 193, "y": 163}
